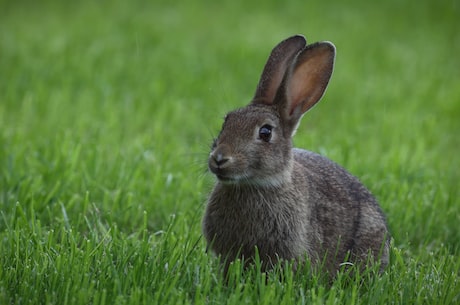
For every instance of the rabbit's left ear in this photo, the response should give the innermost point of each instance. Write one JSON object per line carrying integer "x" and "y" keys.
{"x": 305, "y": 83}
{"x": 279, "y": 61}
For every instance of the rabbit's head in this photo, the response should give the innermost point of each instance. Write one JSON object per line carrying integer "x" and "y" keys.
{"x": 255, "y": 143}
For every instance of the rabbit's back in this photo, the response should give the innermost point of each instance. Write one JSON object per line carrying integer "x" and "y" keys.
{"x": 344, "y": 216}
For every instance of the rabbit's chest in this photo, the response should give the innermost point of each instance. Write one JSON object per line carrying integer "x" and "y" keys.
{"x": 250, "y": 222}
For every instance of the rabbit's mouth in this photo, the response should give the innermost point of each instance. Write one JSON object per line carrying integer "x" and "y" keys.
{"x": 227, "y": 179}
{"x": 224, "y": 179}
{"x": 274, "y": 180}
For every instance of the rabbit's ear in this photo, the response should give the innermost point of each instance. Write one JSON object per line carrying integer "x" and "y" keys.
{"x": 278, "y": 63}
{"x": 307, "y": 80}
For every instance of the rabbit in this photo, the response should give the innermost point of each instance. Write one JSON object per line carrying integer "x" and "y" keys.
{"x": 283, "y": 203}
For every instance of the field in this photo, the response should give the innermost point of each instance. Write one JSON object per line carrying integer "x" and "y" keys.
{"x": 108, "y": 110}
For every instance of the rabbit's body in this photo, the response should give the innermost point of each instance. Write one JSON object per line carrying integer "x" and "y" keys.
{"x": 317, "y": 214}
{"x": 288, "y": 203}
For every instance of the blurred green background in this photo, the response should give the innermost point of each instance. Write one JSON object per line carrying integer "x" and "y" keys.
{"x": 108, "y": 108}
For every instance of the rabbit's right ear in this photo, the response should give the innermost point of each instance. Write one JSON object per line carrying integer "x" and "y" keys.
{"x": 309, "y": 77}
{"x": 278, "y": 63}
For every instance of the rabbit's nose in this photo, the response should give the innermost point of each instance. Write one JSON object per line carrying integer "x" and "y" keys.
{"x": 220, "y": 159}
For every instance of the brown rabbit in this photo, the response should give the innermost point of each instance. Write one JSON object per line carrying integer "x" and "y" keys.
{"x": 288, "y": 203}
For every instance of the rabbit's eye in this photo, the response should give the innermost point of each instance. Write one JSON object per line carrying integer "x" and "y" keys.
{"x": 265, "y": 133}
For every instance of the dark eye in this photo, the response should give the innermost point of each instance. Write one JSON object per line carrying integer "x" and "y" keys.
{"x": 265, "y": 133}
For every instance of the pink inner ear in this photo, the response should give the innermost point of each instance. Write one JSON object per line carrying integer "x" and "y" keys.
{"x": 302, "y": 89}
{"x": 309, "y": 79}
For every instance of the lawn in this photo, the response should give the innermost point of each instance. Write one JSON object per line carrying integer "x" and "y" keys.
{"x": 108, "y": 110}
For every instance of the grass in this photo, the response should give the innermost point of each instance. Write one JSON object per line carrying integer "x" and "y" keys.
{"x": 107, "y": 110}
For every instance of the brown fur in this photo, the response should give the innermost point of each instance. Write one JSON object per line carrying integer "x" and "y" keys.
{"x": 286, "y": 202}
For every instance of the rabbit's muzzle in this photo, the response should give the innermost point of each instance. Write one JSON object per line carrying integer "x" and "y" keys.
{"x": 219, "y": 159}
{"x": 221, "y": 163}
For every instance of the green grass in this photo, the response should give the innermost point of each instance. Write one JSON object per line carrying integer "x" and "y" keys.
{"x": 107, "y": 110}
